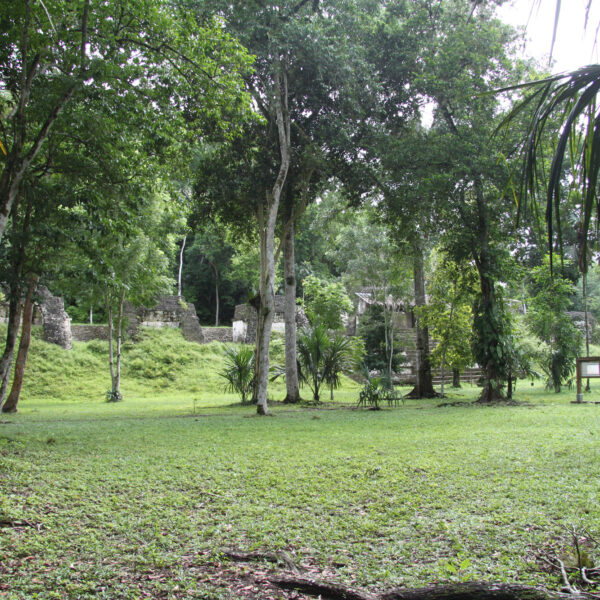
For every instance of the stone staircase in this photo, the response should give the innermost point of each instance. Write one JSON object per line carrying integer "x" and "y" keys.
{"x": 409, "y": 351}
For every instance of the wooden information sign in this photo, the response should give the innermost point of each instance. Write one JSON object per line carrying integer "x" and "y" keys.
{"x": 586, "y": 367}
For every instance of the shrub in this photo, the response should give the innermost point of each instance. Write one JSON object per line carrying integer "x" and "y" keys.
{"x": 377, "y": 390}
{"x": 239, "y": 371}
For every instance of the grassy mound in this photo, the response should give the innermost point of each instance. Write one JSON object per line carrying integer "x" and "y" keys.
{"x": 159, "y": 364}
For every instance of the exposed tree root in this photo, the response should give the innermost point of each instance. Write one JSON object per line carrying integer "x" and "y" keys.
{"x": 474, "y": 591}
{"x": 326, "y": 591}
{"x": 415, "y": 394}
{"x": 459, "y": 591}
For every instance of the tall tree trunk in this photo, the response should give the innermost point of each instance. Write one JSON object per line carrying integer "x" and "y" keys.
{"x": 180, "y": 274}
{"x": 111, "y": 353}
{"x": 391, "y": 338}
{"x": 455, "y": 377}
{"x": 443, "y": 371}
{"x": 587, "y": 326}
{"x": 267, "y": 246}
{"x": 266, "y": 313}
{"x": 289, "y": 276}
{"x": 10, "y": 406}
{"x": 14, "y": 320}
{"x": 493, "y": 378}
{"x": 424, "y": 384}
{"x": 488, "y": 320}
{"x": 117, "y": 380}
{"x": 217, "y": 299}
{"x": 19, "y": 244}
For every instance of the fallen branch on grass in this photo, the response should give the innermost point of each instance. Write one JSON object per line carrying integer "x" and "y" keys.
{"x": 459, "y": 591}
{"x": 326, "y": 591}
{"x": 20, "y": 523}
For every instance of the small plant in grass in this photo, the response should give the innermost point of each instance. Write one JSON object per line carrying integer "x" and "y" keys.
{"x": 376, "y": 391}
{"x": 239, "y": 371}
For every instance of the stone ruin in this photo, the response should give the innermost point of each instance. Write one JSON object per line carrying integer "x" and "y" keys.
{"x": 56, "y": 321}
{"x": 49, "y": 312}
{"x": 169, "y": 311}
{"x": 245, "y": 319}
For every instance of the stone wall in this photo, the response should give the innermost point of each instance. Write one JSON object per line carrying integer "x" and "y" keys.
{"x": 218, "y": 334}
{"x": 86, "y": 333}
{"x": 57, "y": 324}
{"x": 245, "y": 319}
{"x": 169, "y": 311}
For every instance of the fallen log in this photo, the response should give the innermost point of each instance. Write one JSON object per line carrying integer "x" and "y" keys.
{"x": 313, "y": 587}
{"x": 474, "y": 591}
{"x": 459, "y": 591}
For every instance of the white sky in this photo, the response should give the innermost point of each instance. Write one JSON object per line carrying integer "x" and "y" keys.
{"x": 574, "y": 45}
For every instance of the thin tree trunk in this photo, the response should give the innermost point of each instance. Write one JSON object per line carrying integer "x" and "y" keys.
{"x": 424, "y": 383}
{"x": 14, "y": 320}
{"x": 391, "y": 363}
{"x": 443, "y": 370}
{"x": 117, "y": 380}
{"x": 289, "y": 275}
{"x": 10, "y": 406}
{"x": 587, "y": 328}
{"x": 217, "y": 299}
{"x": 111, "y": 355}
{"x": 179, "y": 276}
{"x": 267, "y": 233}
{"x": 15, "y": 306}
{"x": 91, "y": 316}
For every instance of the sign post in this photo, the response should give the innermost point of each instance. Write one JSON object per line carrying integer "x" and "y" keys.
{"x": 586, "y": 367}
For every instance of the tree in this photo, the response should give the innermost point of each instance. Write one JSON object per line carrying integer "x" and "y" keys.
{"x": 370, "y": 261}
{"x": 547, "y": 319}
{"x": 127, "y": 260}
{"x": 325, "y": 302}
{"x": 448, "y": 314}
{"x": 304, "y": 88}
{"x": 139, "y": 55}
{"x": 210, "y": 248}
{"x": 323, "y": 355}
{"x": 465, "y": 54}
{"x": 313, "y": 343}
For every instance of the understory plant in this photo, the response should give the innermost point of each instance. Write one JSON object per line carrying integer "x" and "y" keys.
{"x": 377, "y": 390}
{"x": 323, "y": 356}
{"x": 239, "y": 371}
{"x": 547, "y": 319}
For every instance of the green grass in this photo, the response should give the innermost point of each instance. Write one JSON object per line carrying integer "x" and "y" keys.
{"x": 140, "y": 498}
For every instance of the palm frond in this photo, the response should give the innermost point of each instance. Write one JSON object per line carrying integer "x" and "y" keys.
{"x": 570, "y": 97}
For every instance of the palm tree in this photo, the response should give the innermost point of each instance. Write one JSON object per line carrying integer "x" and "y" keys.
{"x": 313, "y": 343}
{"x": 239, "y": 371}
{"x": 337, "y": 359}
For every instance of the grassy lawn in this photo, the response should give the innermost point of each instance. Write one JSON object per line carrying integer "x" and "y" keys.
{"x": 140, "y": 499}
